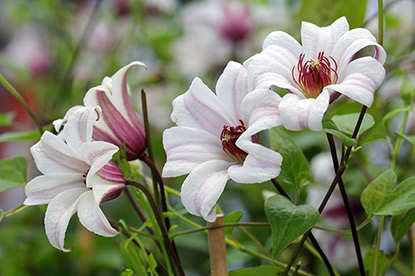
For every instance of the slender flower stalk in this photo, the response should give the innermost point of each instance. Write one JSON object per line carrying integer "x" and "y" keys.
{"x": 19, "y": 97}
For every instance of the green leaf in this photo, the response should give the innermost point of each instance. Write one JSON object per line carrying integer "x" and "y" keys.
{"x": 318, "y": 13}
{"x": 294, "y": 170}
{"x": 329, "y": 126}
{"x": 22, "y": 135}
{"x": 6, "y": 119}
{"x": 369, "y": 261}
{"x": 379, "y": 198}
{"x": 132, "y": 256}
{"x": 152, "y": 264}
{"x": 374, "y": 194}
{"x": 263, "y": 270}
{"x": 347, "y": 123}
{"x": 231, "y": 218}
{"x": 12, "y": 173}
{"x": 288, "y": 221}
{"x": 401, "y": 223}
{"x": 127, "y": 272}
{"x": 1, "y": 215}
{"x": 409, "y": 138}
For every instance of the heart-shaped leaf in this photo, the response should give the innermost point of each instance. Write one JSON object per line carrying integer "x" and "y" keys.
{"x": 347, "y": 123}
{"x": 369, "y": 261}
{"x": 294, "y": 170}
{"x": 379, "y": 198}
{"x": 288, "y": 221}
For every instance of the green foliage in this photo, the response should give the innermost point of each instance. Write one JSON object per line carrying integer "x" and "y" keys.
{"x": 393, "y": 113}
{"x": 400, "y": 224}
{"x": 12, "y": 173}
{"x": 131, "y": 252}
{"x": 263, "y": 270}
{"x": 379, "y": 198}
{"x": 409, "y": 138}
{"x": 231, "y": 218}
{"x": 329, "y": 126}
{"x": 369, "y": 261}
{"x": 288, "y": 221}
{"x": 127, "y": 272}
{"x": 294, "y": 170}
{"x": 20, "y": 135}
{"x": 318, "y": 12}
{"x": 1, "y": 215}
{"x": 347, "y": 123}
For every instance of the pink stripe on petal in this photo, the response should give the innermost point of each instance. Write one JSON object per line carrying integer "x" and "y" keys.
{"x": 120, "y": 127}
{"x": 112, "y": 173}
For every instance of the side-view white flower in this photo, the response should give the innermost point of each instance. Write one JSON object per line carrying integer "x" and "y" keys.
{"x": 318, "y": 71}
{"x": 78, "y": 175}
{"x": 216, "y": 139}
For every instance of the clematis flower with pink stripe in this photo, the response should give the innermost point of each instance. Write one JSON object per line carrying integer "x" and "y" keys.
{"x": 120, "y": 124}
{"x": 216, "y": 139}
{"x": 78, "y": 175}
{"x": 317, "y": 72}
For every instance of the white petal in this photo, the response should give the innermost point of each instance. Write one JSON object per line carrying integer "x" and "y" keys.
{"x": 186, "y": 148}
{"x": 92, "y": 217}
{"x": 298, "y": 114}
{"x": 360, "y": 80}
{"x": 57, "y": 124}
{"x": 273, "y": 66}
{"x": 260, "y": 110}
{"x": 58, "y": 214}
{"x": 97, "y": 154}
{"x": 284, "y": 41}
{"x": 42, "y": 189}
{"x": 79, "y": 128}
{"x": 203, "y": 187}
{"x": 200, "y": 108}
{"x": 105, "y": 190}
{"x": 52, "y": 155}
{"x": 260, "y": 165}
{"x": 352, "y": 42}
{"x": 322, "y": 39}
{"x": 231, "y": 88}
{"x": 115, "y": 87}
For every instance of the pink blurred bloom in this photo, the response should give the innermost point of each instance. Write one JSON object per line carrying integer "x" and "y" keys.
{"x": 318, "y": 71}
{"x": 216, "y": 139}
{"x": 78, "y": 175}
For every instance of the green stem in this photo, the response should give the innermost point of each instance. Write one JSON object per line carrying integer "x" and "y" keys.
{"x": 395, "y": 256}
{"x": 15, "y": 210}
{"x": 20, "y": 99}
{"x": 168, "y": 243}
{"x": 380, "y": 230}
{"x": 380, "y": 21}
{"x": 399, "y": 140}
{"x": 255, "y": 240}
{"x": 360, "y": 226}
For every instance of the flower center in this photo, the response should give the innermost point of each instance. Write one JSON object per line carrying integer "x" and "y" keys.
{"x": 313, "y": 75}
{"x": 84, "y": 178}
{"x": 229, "y": 136}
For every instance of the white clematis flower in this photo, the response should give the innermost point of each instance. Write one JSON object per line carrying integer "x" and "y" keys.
{"x": 318, "y": 71}
{"x": 216, "y": 139}
{"x": 78, "y": 175}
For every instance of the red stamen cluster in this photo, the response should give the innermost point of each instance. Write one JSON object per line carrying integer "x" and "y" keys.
{"x": 313, "y": 76}
{"x": 229, "y": 136}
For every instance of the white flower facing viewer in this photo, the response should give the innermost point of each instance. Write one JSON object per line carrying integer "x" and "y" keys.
{"x": 318, "y": 71}
{"x": 216, "y": 139}
{"x": 78, "y": 175}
